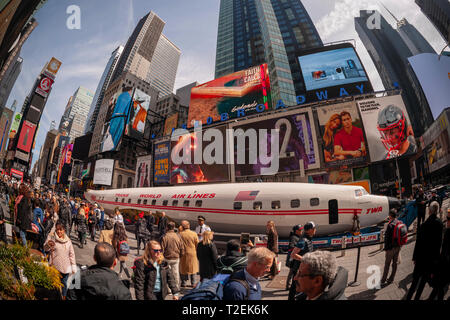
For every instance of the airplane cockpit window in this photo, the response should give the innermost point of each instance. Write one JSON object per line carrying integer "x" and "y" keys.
{"x": 186, "y": 203}
{"x": 359, "y": 192}
{"x": 295, "y": 203}
{"x": 314, "y": 202}
{"x": 257, "y": 205}
{"x": 165, "y": 202}
{"x": 153, "y": 202}
{"x": 237, "y": 205}
{"x": 276, "y": 204}
{"x": 198, "y": 203}
{"x": 175, "y": 203}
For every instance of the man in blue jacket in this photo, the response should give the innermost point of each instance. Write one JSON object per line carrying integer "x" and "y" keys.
{"x": 244, "y": 284}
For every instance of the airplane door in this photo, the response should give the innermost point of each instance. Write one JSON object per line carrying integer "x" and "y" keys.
{"x": 333, "y": 212}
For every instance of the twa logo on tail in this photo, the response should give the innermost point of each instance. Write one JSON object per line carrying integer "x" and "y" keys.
{"x": 246, "y": 195}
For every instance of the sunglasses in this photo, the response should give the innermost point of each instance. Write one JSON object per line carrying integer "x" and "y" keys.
{"x": 157, "y": 250}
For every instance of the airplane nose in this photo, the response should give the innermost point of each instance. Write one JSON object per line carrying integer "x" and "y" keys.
{"x": 394, "y": 203}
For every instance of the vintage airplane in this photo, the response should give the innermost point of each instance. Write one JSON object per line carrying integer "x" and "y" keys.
{"x": 246, "y": 207}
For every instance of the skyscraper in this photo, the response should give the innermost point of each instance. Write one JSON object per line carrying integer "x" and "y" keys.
{"x": 77, "y": 110}
{"x": 269, "y": 31}
{"x": 101, "y": 88}
{"x": 438, "y": 12}
{"x": 8, "y": 81}
{"x": 389, "y": 49}
{"x": 163, "y": 66}
{"x": 140, "y": 47}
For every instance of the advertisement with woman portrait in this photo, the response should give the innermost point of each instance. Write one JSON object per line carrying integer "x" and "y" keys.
{"x": 143, "y": 171}
{"x": 343, "y": 141}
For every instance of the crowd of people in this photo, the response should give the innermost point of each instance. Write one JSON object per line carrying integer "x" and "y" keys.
{"x": 175, "y": 258}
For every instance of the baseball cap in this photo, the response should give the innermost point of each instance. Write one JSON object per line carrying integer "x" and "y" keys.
{"x": 201, "y": 218}
{"x": 310, "y": 225}
{"x": 297, "y": 227}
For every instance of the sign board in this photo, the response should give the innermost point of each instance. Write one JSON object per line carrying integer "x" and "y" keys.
{"x": 44, "y": 86}
{"x": 104, "y": 171}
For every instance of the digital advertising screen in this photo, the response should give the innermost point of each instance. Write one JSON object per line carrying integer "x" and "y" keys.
{"x": 241, "y": 91}
{"x": 143, "y": 171}
{"x": 170, "y": 123}
{"x": 138, "y": 114}
{"x": 343, "y": 141}
{"x": 298, "y": 149}
{"x": 333, "y": 71}
{"x": 65, "y": 164}
{"x": 437, "y": 142}
{"x": 26, "y": 136}
{"x": 113, "y": 129}
{"x": 387, "y": 126}
{"x": 191, "y": 172}
{"x": 161, "y": 163}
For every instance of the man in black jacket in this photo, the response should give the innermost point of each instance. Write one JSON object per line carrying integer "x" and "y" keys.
{"x": 391, "y": 247}
{"x": 100, "y": 282}
{"x": 421, "y": 206}
{"x": 426, "y": 252}
{"x": 233, "y": 260}
{"x": 319, "y": 278}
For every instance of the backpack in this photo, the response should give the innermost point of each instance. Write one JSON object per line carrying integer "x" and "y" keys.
{"x": 124, "y": 248}
{"x": 222, "y": 268}
{"x": 212, "y": 289}
{"x": 400, "y": 234}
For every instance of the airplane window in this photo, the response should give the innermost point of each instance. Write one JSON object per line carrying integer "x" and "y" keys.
{"x": 145, "y": 201}
{"x": 237, "y": 205}
{"x": 175, "y": 203}
{"x": 276, "y": 204}
{"x": 123, "y": 200}
{"x": 186, "y": 203}
{"x": 257, "y": 205}
{"x": 117, "y": 199}
{"x": 153, "y": 202}
{"x": 314, "y": 202}
{"x": 198, "y": 203}
{"x": 139, "y": 201}
{"x": 165, "y": 202}
{"x": 129, "y": 200}
{"x": 295, "y": 203}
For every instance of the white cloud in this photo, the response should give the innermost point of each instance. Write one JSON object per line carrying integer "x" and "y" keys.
{"x": 194, "y": 66}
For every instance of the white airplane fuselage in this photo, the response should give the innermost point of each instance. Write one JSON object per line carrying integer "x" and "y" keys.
{"x": 246, "y": 207}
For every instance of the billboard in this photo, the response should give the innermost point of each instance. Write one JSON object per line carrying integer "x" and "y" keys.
{"x": 433, "y": 73}
{"x": 53, "y": 66}
{"x": 297, "y": 141}
{"x": 85, "y": 171}
{"x": 333, "y": 71}
{"x": 237, "y": 94}
{"x": 114, "y": 128}
{"x": 388, "y": 129}
{"x": 170, "y": 123}
{"x": 81, "y": 147}
{"x": 15, "y": 125}
{"x": 143, "y": 167}
{"x": 35, "y": 109}
{"x": 104, "y": 171}
{"x": 138, "y": 114}
{"x": 65, "y": 164}
{"x": 26, "y": 136}
{"x": 343, "y": 140}
{"x": 161, "y": 173}
{"x": 437, "y": 142}
{"x": 193, "y": 172}
{"x": 44, "y": 86}
{"x": 18, "y": 175}
{"x": 361, "y": 174}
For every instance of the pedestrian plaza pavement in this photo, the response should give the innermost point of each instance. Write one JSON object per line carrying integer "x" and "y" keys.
{"x": 371, "y": 263}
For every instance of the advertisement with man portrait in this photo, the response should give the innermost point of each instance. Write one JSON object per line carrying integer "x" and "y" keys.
{"x": 65, "y": 164}
{"x": 343, "y": 141}
{"x": 388, "y": 128}
{"x": 138, "y": 114}
{"x": 241, "y": 91}
{"x": 192, "y": 172}
{"x": 26, "y": 137}
{"x": 161, "y": 165}
{"x": 298, "y": 149}
{"x": 143, "y": 167}
{"x": 113, "y": 129}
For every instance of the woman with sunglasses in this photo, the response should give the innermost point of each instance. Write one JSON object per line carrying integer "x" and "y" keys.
{"x": 152, "y": 275}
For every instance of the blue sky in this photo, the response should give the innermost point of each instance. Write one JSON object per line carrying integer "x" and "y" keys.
{"x": 191, "y": 25}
